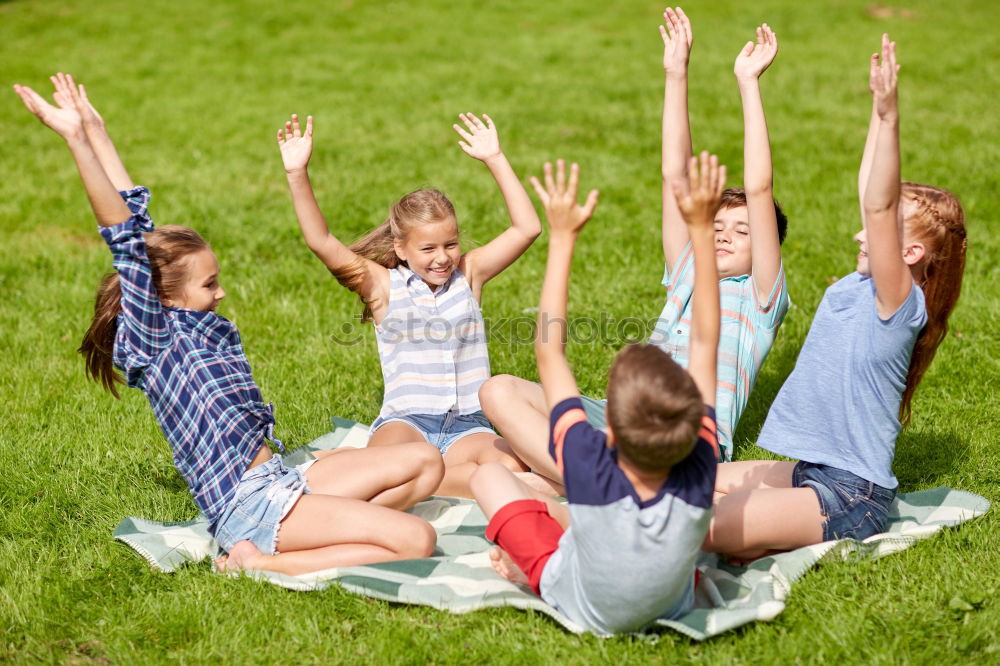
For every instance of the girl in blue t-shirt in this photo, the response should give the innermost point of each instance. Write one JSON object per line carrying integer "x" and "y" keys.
{"x": 155, "y": 321}
{"x": 840, "y": 411}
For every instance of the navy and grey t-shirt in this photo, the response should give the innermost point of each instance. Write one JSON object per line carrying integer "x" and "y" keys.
{"x": 623, "y": 562}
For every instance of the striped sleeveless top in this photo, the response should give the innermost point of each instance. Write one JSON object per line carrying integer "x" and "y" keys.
{"x": 432, "y": 345}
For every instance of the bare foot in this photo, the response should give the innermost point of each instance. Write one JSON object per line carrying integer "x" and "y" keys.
{"x": 242, "y": 557}
{"x": 505, "y": 566}
{"x": 540, "y": 484}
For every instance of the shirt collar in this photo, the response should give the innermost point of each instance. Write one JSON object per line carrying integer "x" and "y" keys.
{"x": 409, "y": 277}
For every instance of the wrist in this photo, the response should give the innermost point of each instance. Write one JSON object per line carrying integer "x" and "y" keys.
{"x": 298, "y": 173}
{"x": 747, "y": 80}
{"x": 676, "y": 73}
{"x": 495, "y": 160}
{"x": 76, "y": 138}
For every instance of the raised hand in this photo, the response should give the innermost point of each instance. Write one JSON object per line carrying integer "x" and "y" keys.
{"x": 699, "y": 194}
{"x": 559, "y": 198}
{"x": 677, "y": 39}
{"x": 69, "y": 93}
{"x": 481, "y": 140}
{"x": 757, "y": 56}
{"x": 63, "y": 119}
{"x": 295, "y": 145}
{"x": 883, "y": 80}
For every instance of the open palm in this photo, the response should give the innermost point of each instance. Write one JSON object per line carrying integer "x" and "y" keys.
{"x": 295, "y": 145}
{"x": 64, "y": 119}
{"x": 756, "y": 57}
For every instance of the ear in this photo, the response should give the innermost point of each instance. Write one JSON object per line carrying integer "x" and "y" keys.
{"x": 397, "y": 246}
{"x": 610, "y": 443}
{"x": 914, "y": 253}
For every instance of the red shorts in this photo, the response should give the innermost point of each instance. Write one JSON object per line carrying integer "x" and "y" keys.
{"x": 526, "y": 531}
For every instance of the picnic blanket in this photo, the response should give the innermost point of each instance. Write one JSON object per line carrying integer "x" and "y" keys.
{"x": 459, "y": 578}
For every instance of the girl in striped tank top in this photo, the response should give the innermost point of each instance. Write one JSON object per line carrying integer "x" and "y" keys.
{"x": 423, "y": 293}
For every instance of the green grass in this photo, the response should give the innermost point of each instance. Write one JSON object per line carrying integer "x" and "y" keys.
{"x": 193, "y": 93}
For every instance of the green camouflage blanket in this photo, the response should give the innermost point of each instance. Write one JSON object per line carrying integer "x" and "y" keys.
{"x": 459, "y": 578}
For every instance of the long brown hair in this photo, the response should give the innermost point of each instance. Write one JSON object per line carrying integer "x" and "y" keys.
{"x": 419, "y": 207}
{"x": 937, "y": 221}
{"x": 167, "y": 248}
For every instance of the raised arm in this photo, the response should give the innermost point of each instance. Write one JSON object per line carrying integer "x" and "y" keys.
{"x": 566, "y": 219}
{"x": 890, "y": 272}
{"x": 765, "y": 247}
{"x": 65, "y": 120}
{"x": 698, "y": 196}
{"x": 869, "y": 152}
{"x": 480, "y": 140}
{"x": 676, "y": 148}
{"x": 296, "y": 149}
{"x": 93, "y": 126}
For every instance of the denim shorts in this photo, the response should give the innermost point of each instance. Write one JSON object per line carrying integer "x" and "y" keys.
{"x": 855, "y": 508}
{"x": 440, "y": 430}
{"x": 263, "y": 498}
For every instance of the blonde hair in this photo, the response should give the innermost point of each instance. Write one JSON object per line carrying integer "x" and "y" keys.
{"x": 654, "y": 408}
{"x": 419, "y": 207}
{"x": 167, "y": 248}
{"x": 938, "y": 221}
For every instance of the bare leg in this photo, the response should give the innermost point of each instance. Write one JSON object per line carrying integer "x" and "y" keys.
{"x": 494, "y": 486}
{"x": 466, "y": 455}
{"x": 757, "y": 511}
{"x": 323, "y": 532}
{"x": 395, "y": 432}
{"x": 517, "y": 408}
{"x": 392, "y": 475}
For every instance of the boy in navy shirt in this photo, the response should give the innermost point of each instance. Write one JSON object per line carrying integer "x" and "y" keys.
{"x": 640, "y": 495}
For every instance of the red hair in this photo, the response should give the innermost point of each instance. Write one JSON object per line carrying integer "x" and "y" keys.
{"x": 935, "y": 219}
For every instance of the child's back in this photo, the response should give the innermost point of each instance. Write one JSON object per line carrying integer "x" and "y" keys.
{"x": 624, "y": 562}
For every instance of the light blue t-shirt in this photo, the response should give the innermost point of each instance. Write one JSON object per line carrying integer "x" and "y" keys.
{"x": 747, "y": 331}
{"x": 840, "y": 405}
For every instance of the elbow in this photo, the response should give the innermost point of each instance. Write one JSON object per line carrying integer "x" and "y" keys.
{"x": 759, "y": 189}
{"x": 874, "y": 207}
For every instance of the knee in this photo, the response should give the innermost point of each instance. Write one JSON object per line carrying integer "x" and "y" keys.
{"x": 495, "y": 393}
{"x": 485, "y": 477}
{"x": 428, "y": 465}
{"x": 419, "y": 539}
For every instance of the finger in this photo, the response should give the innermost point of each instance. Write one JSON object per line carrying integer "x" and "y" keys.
{"x": 466, "y": 147}
{"x": 468, "y": 121}
{"x": 686, "y": 26}
{"x": 543, "y": 196}
{"x": 574, "y": 179}
{"x": 280, "y": 138}
{"x": 296, "y": 128}
{"x": 663, "y": 34}
{"x": 760, "y": 36}
{"x": 680, "y": 187}
{"x": 713, "y": 173}
{"x": 590, "y": 204}
{"x": 71, "y": 87}
{"x": 462, "y": 133}
{"x": 83, "y": 94}
{"x": 23, "y": 93}
{"x": 692, "y": 173}
{"x": 477, "y": 122}
{"x": 309, "y": 126}
{"x": 489, "y": 122}
{"x": 561, "y": 174}
{"x": 721, "y": 185}
{"x": 550, "y": 184}
{"x": 288, "y": 130}
{"x": 747, "y": 49}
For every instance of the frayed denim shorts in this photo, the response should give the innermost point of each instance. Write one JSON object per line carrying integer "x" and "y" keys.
{"x": 855, "y": 508}
{"x": 263, "y": 498}
{"x": 441, "y": 430}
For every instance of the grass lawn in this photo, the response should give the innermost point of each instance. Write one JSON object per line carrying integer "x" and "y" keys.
{"x": 193, "y": 93}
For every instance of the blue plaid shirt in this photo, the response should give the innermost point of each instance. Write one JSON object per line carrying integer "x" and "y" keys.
{"x": 191, "y": 366}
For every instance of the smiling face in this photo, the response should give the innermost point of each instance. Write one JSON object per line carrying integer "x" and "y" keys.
{"x": 732, "y": 242}
{"x": 201, "y": 289}
{"x": 431, "y": 250}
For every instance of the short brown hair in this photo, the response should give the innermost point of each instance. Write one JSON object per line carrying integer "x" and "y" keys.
{"x": 654, "y": 408}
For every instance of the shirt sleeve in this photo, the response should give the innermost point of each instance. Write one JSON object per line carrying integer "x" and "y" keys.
{"x": 588, "y": 466}
{"x": 679, "y": 281}
{"x": 772, "y": 311}
{"x": 142, "y": 324}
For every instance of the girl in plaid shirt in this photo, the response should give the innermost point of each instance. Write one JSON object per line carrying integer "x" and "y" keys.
{"x": 155, "y": 321}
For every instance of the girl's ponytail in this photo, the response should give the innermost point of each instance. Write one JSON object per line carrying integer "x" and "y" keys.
{"x": 935, "y": 218}
{"x": 419, "y": 207}
{"x": 99, "y": 341}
